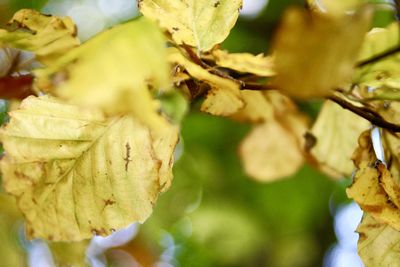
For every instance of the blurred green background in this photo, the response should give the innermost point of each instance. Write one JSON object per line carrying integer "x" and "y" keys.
{"x": 213, "y": 215}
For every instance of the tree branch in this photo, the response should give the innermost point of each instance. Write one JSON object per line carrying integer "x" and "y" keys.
{"x": 378, "y": 57}
{"x": 369, "y": 115}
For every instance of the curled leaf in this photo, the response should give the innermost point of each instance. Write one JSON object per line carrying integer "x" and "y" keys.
{"x": 48, "y": 37}
{"x": 201, "y": 24}
{"x": 372, "y": 186}
{"x": 76, "y": 173}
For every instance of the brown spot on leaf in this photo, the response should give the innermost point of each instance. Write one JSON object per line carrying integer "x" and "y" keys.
{"x": 372, "y": 208}
{"x": 109, "y": 202}
{"x": 311, "y": 141}
{"x": 127, "y": 158}
{"x": 216, "y": 4}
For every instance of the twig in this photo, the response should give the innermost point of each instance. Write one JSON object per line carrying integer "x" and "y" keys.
{"x": 378, "y": 57}
{"x": 243, "y": 85}
{"x": 369, "y": 115}
{"x": 257, "y": 87}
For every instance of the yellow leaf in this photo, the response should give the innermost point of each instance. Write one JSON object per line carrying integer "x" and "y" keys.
{"x": 224, "y": 96}
{"x": 382, "y": 73}
{"x": 70, "y": 253}
{"x": 257, "y": 107}
{"x": 273, "y": 149}
{"x": 379, "y": 244}
{"x": 76, "y": 173}
{"x": 113, "y": 71}
{"x": 47, "y": 36}
{"x": 314, "y": 54}
{"x": 334, "y": 7}
{"x": 201, "y": 24}
{"x": 244, "y": 62}
{"x": 270, "y": 152}
{"x": 370, "y": 184}
{"x": 11, "y": 252}
{"x": 222, "y": 101}
{"x": 336, "y": 131}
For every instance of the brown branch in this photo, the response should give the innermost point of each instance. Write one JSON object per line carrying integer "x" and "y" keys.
{"x": 196, "y": 59}
{"x": 369, "y": 115}
{"x": 257, "y": 87}
{"x": 378, "y": 57}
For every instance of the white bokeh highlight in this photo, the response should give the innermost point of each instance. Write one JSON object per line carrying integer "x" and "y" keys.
{"x": 251, "y": 8}
{"x": 344, "y": 253}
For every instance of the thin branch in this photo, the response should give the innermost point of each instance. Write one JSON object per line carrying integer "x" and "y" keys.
{"x": 257, "y": 87}
{"x": 243, "y": 85}
{"x": 195, "y": 58}
{"x": 369, "y": 115}
{"x": 378, "y": 57}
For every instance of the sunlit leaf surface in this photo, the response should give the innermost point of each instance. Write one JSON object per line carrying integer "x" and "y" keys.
{"x": 52, "y": 166}
{"x": 113, "y": 71}
{"x": 201, "y": 24}
{"x": 336, "y": 131}
{"x": 379, "y": 244}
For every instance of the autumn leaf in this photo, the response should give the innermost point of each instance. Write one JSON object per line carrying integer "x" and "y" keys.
{"x": 314, "y": 54}
{"x": 11, "y": 252}
{"x": 336, "y": 130}
{"x": 76, "y": 173}
{"x": 201, "y": 24}
{"x": 224, "y": 96}
{"x": 274, "y": 148}
{"x": 374, "y": 188}
{"x": 380, "y": 79}
{"x": 113, "y": 71}
{"x": 69, "y": 253}
{"x": 379, "y": 244}
{"x": 257, "y": 107}
{"x": 334, "y": 7}
{"x": 48, "y": 37}
{"x": 269, "y": 152}
{"x": 245, "y": 62}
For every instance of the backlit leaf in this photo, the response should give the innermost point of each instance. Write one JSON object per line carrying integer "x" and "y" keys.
{"x": 336, "y": 131}
{"x": 245, "y": 62}
{"x": 269, "y": 152}
{"x": 379, "y": 244}
{"x": 334, "y": 7}
{"x": 201, "y": 24}
{"x": 314, "y": 54}
{"x": 380, "y": 79}
{"x": 76, "y": 173}
{"x": 113, "y": 71}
